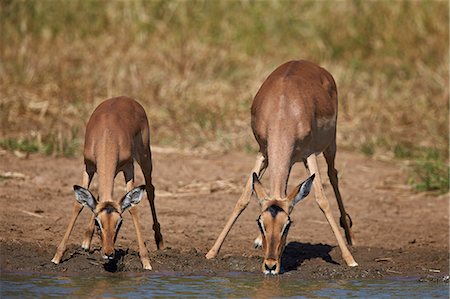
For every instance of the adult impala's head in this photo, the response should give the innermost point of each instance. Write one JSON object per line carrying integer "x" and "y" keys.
{"x": 108, "y": 214}
{"x": 274, "y": 221}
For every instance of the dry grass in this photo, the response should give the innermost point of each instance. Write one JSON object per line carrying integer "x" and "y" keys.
{"x": 196, "y": 65}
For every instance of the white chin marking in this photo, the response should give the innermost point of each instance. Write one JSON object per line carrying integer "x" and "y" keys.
{"x": 272, "y": 272}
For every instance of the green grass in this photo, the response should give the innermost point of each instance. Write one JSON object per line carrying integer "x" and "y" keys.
{"x": 24, "y": 145}
{"x": 196, "y": 65}
{"x": 430, "y": 172}
{"x": 48, "y": 145}
{"x": 368, "y": 149}
{"x": 430, "y": 176}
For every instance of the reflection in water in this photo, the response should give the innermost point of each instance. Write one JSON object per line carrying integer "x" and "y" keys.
{"x": 231, "y": 285}
{"x": 278, "y": 286}
{"x": 269, "y": 287}
{"x": 95, "y": 287}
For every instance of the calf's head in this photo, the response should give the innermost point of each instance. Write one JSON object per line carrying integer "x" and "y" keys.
{"x": 108, "y": 214}
{"x": 274, "y": 221}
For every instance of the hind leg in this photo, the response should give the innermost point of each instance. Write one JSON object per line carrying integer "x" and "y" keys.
{"x": 87, "y": 239}
{"x": 345, "y": 220}
{"x": 144, "y": 159}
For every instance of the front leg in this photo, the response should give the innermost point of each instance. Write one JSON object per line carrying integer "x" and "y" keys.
{"x": 258, "y": 242}
{"x": 86, "y": 244}
{"x": 87, "y": 179}
{"x": 242, "y": 203}
{"x": 77, "y": 208}
{"x": 143, "y": 252}
{"x": 324, "y": 206}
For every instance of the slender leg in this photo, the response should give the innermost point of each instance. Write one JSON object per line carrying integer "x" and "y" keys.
{"x": 330, "y": 154}
{"x": 145, "y": 161}
{"x": 143, "y": 252}
{"x": 258, "y": 243}
{"x": 87, "y": 239}
{"x": 77, "y": 208}
{"x": 324, "y": 205}
{"x": 241, "y": 204}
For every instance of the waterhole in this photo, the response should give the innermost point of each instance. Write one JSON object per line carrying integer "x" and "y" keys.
{"x": 230, "y": 285}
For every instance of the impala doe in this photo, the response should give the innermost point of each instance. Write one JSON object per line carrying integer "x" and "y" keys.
{"x": 293, "y": 118}
{"x": 117, "y": 133}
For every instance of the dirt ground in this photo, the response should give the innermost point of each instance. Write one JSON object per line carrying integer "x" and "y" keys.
{"x": 399, "y": 232}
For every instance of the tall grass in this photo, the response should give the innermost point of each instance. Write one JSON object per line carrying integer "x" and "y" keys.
{"x": 196, "y": 65}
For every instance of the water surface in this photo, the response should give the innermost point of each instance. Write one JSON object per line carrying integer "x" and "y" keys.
{"x": 231, "y": 285}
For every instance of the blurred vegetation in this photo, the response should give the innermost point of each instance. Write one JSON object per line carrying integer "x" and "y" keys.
{"x": 196, "y": 65}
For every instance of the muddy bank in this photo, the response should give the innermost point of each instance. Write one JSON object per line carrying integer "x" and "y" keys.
{"x": 399, "y": 232}
{"x": 301, "y": 261}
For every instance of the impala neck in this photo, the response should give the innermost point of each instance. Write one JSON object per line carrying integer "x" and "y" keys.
{"x": 107, "y": 155}
{"x": 279, "y": 154}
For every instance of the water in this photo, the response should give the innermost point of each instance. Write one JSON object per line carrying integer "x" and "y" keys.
{"x": 232, "y": 285}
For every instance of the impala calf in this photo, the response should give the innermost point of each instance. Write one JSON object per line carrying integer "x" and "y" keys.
{"x": 117, "y": 133}
{"x": 293, "y": 118}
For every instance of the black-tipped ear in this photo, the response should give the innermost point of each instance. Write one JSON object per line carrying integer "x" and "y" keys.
{"x": 303, "y": 190}
{"x": 132, "y": 198}
{"x": 85, "y": 197}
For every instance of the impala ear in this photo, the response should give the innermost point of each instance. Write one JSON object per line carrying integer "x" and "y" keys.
{"x": 132, "y": 198}
{"x": 85, "y": 197}
{"x": 301, "y": 191}
{"x": 258, "y": 189}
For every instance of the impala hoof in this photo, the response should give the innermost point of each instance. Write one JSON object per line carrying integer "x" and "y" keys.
{"x": 55, "y": 261}
{"x": 210, "y": 255}
{"x": 146, "y": 265}
{"x": 85, "y": 246}
{"x": 258, "y": 243}
{"x": 160, "y": 245}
